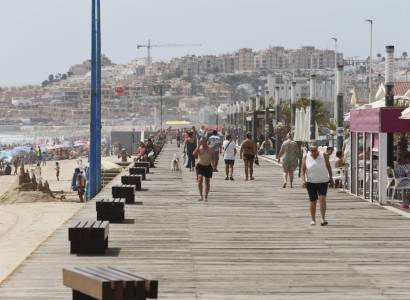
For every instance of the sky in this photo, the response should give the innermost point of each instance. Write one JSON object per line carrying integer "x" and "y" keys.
{"x": 42, "y": 37}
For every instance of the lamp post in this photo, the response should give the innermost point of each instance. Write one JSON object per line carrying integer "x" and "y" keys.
{"x": 266, "y": 117}
{"x": 335, "y": 94}
{"x": 216, "y": 118}
{"x": 292, "y": 106}
{"x": 339, "y": 107}
{"x": 95, "y": 125}
{"x": 162, "y": 101}
{"x": 277, "y": 107}
{"x": 370, "y": 21}
{"x": 312, "y": 107}
{"x": 389, "y": 99}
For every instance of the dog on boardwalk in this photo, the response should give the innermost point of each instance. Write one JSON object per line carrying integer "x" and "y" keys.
{"x": 175, "y": 166}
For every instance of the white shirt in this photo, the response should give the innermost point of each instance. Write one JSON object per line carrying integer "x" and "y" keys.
{"x": 214, "y": 142}
{"x": 316, "y": 170}
{"x": 229, "y": 150}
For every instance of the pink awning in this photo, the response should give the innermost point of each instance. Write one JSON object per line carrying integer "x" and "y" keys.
{"x": 382, "y": 119}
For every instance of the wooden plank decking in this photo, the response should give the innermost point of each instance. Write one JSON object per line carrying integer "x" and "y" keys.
{"x": 251, "y": 241}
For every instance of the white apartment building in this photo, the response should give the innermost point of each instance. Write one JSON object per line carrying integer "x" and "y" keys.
{"x": 246, "y": 60}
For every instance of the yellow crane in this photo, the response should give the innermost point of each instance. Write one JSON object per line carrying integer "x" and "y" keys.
{"x": 149, "y": 46}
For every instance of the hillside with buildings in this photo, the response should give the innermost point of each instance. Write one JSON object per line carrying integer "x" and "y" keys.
{"x": 131, "y": 93}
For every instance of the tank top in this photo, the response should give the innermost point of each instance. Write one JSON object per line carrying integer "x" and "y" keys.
{"x": 316, "y": 170}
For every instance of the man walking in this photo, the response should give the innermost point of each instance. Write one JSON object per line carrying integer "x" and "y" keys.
{"x": 204, "y": 168}
{"x": 229, "y": 152}
{"x": 248, "y": 154}
{"x": 216, "y": 145}
{"x": 316, "y": 176}
{"x": 189, "y": 148}
{"x": 290, "y": 151}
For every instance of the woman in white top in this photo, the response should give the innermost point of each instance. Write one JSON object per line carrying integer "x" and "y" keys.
{"x": 229, "y": 152}
{"x": 316, "y": 176}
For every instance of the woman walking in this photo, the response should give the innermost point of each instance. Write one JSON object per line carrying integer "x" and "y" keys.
{"x": 290, "y": 151}
{"x": 316, "y": 176}
{"x": 248, "y": 154}
{"x": 229, "y": 152}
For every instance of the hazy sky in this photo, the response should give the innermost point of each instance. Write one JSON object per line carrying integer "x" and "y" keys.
{"x": 40, "y": 37}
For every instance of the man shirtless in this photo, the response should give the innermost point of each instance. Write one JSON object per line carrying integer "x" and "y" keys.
{"x": 248, "y": 154}
{"x": 204, "y": 168}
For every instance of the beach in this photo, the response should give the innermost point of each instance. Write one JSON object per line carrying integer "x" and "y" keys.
{"x": 24, "y": 226}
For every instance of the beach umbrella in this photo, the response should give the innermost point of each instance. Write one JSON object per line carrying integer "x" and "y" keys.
{"x": 306, "y": 136}
{"x": 20, "y": 150}
{"x": 297, "y": 125}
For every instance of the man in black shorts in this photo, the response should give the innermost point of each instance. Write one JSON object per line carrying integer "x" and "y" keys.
{"x": 205, "y": 166}
{"x": 316, "y": 176}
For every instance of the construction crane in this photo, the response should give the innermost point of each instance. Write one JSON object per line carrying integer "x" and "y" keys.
{"x": 149, "y": 46}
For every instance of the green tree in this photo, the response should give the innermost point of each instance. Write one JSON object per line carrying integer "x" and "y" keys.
{"x": 50, "y": 78}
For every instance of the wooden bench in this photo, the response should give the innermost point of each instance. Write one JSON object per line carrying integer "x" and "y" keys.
{"x": 88, "y": 237}
{"x": 107, "y": 283}
{"x": 142, "y": 164}
{"x": 123, "y": 164}
{"x": 125, "y": 191}
{"x": 139, "y": 171}
{"x": 132, "y": 180}
{"x": 111, "y": 210}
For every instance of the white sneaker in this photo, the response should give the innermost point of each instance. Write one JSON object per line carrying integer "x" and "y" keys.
{"x": 313, "y": 223}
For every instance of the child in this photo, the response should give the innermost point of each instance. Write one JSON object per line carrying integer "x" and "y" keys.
{"x": 58, "y": 171}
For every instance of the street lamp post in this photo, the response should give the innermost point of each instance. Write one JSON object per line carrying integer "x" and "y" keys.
{"x": 277, "y": 107}
{"x": 370, "y": 21}
{"x": 389, "y": 99}
{"x": 216, "y": 118}
{"x": 335, "y": 94}
{"x": 95, "y": 125}
{"x": 266, "y": 117}
{"x": 339, "y": 107}
{"x": 312, "y": 107}
{"x": 292, "y": 106}
{"x": 162, "y": 102}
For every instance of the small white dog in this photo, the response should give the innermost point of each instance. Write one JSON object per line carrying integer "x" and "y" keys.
{"x": 175, "y": 163}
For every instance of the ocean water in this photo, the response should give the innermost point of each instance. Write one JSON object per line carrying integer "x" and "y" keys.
{"x": 10, "y": 138}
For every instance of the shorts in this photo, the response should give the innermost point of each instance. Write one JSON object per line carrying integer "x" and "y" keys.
{"x": 80, "y": 191}
{"x": 248, "y": 157}
{"x": 316, "y": 189}
{"x": 229, "y": 162}
{"x": 205, "y": 171}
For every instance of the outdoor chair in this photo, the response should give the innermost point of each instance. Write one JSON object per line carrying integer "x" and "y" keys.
{"x": 396, "y": 184}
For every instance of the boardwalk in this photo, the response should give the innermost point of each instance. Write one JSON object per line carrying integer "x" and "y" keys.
{"x": 251, "y": 241}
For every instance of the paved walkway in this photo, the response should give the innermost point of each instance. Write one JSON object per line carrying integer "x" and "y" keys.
{"x": 251, "y": 241}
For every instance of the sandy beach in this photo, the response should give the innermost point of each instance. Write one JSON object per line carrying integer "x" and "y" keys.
{"x": 48, "y": 173}
{"x": 24, "y": 226}
{"x": 26, "y": 223}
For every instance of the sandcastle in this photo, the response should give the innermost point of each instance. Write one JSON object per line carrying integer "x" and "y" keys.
{"x": 28, "y": 189}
